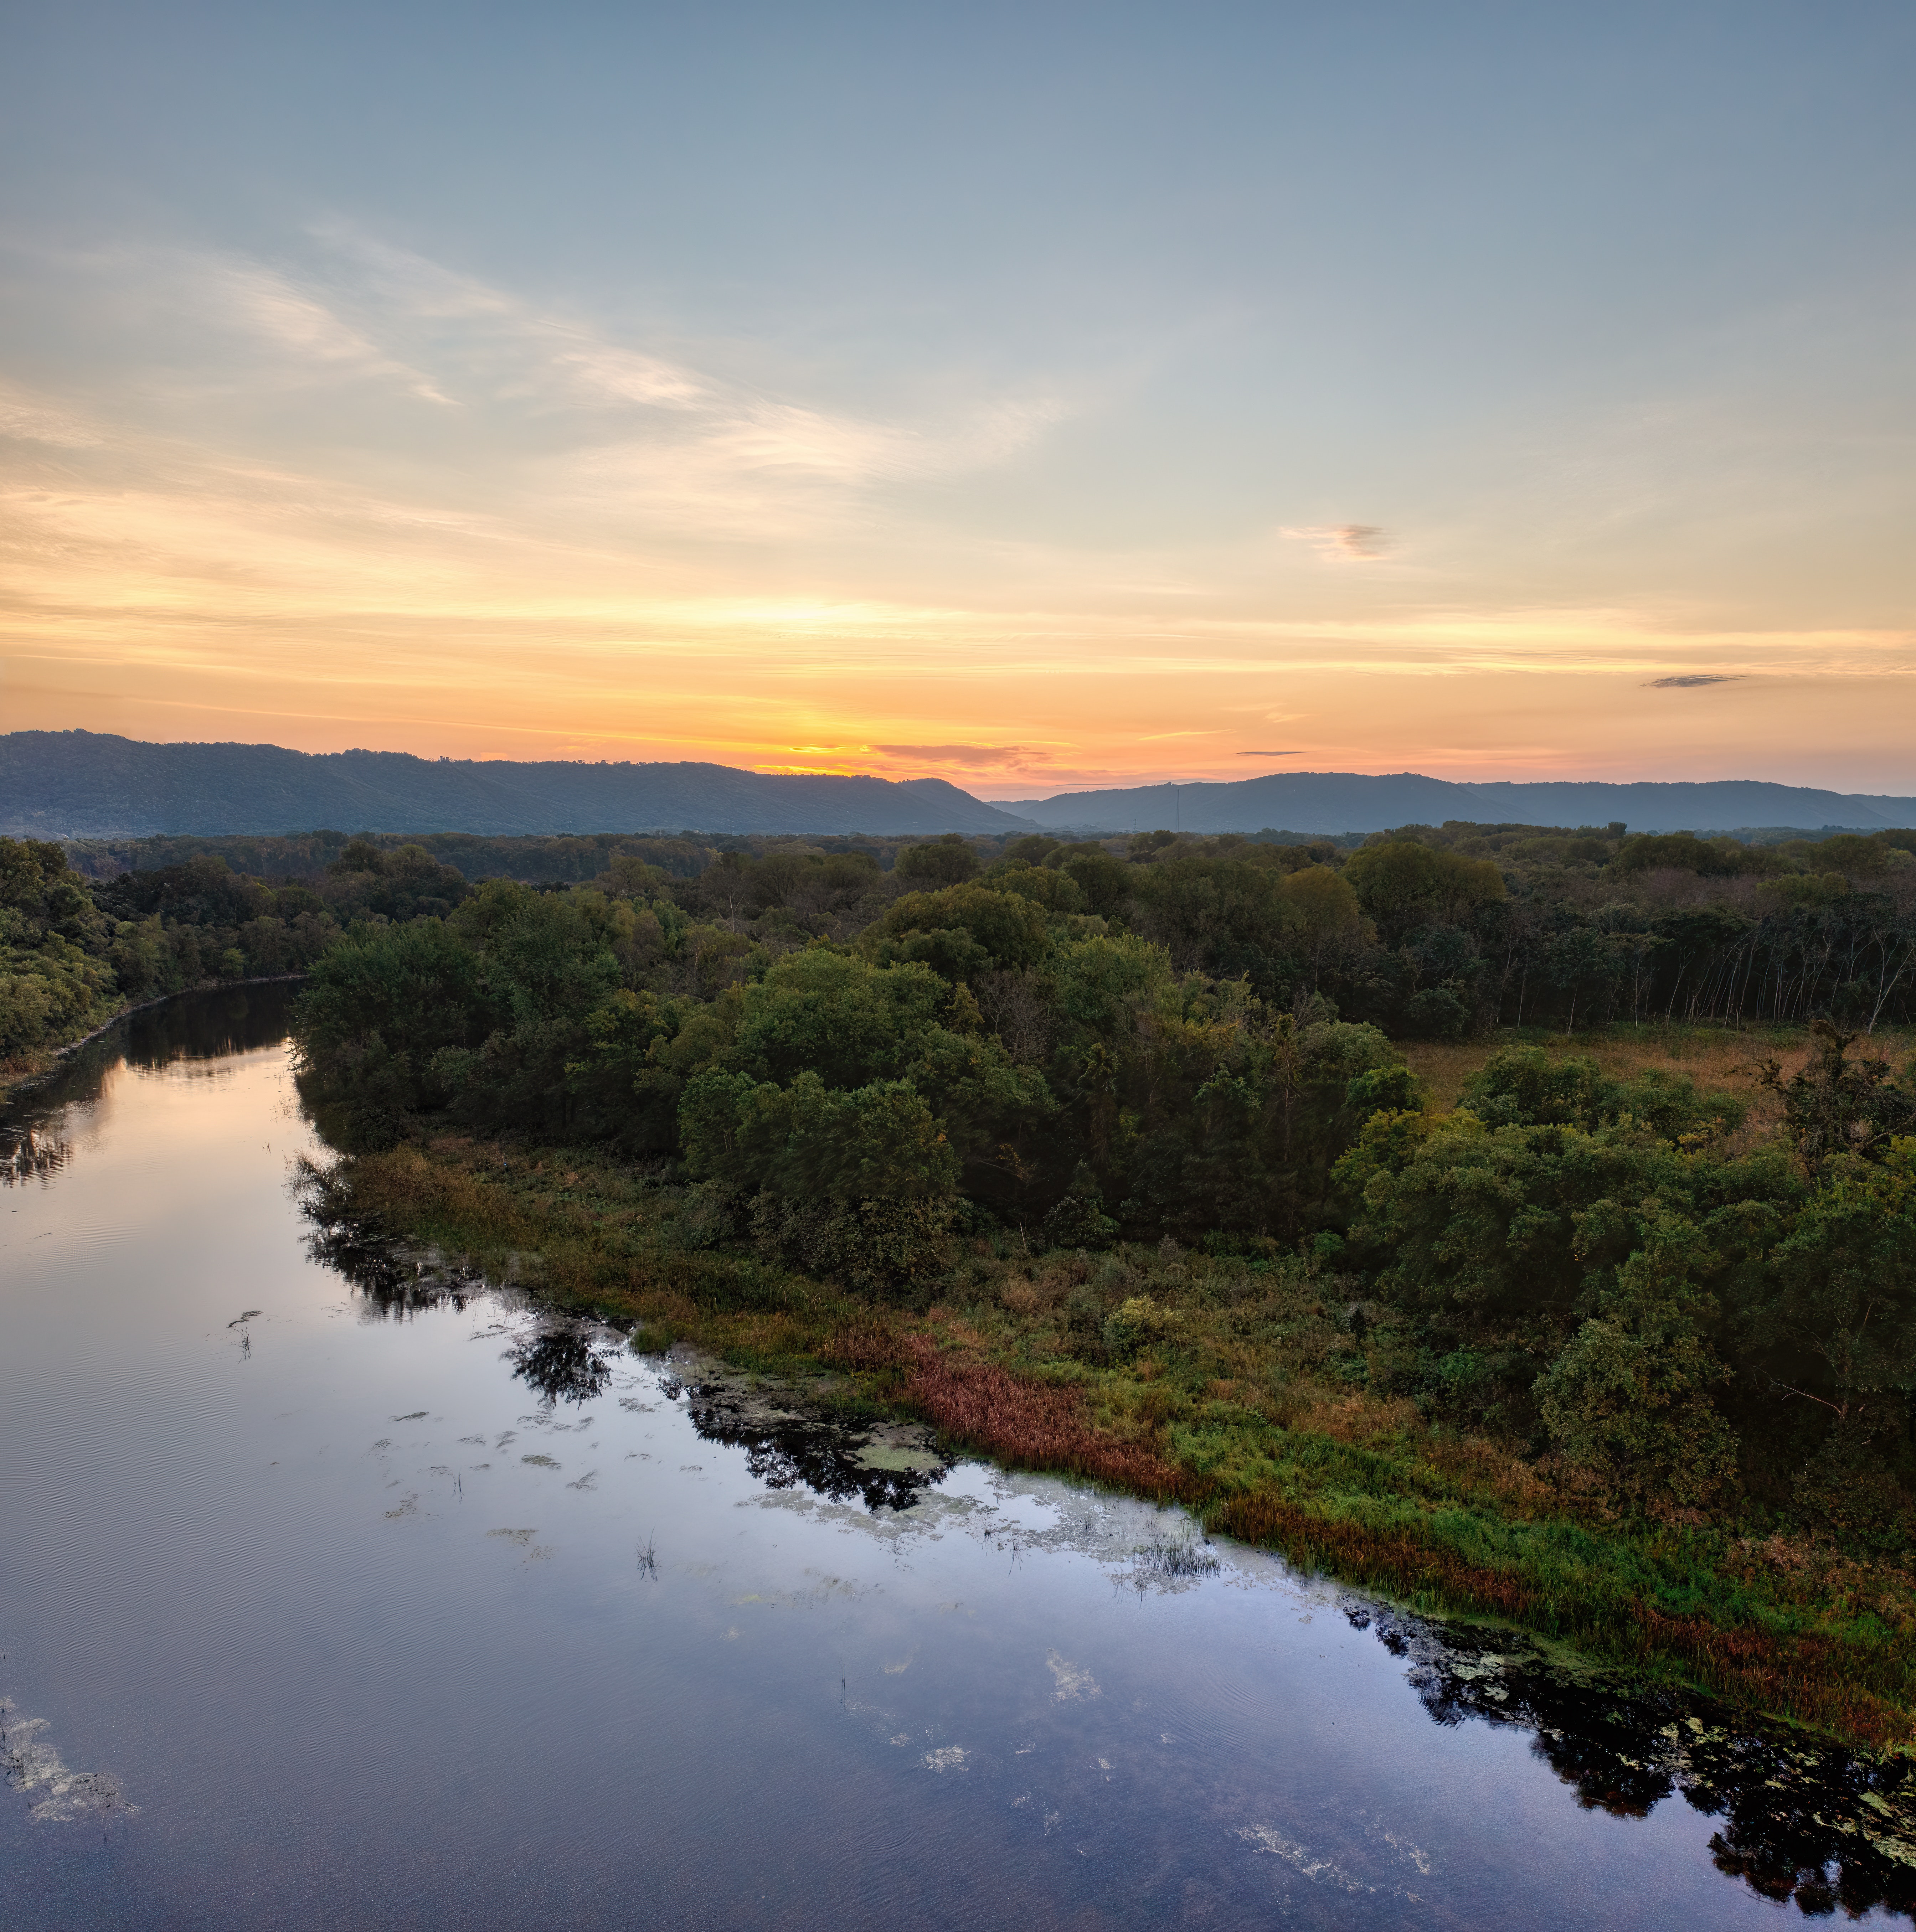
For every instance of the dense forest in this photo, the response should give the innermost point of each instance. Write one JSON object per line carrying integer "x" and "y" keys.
{"x": 1426, "y": 932}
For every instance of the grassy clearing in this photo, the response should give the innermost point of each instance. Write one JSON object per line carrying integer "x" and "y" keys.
{"x": 1231, "y": 1384}
{"x": 1719, "y": 1057}
{"x": 1713, "y": 1056}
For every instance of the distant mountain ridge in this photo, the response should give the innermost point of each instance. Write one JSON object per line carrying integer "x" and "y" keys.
{"x": 1333, "y": 802}
{"x": 86, "y": 784}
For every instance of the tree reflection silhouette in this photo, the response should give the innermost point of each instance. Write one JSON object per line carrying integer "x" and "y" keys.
{"x": 29, "y": 1154}
{"x": 785, "y": 1451}
{"x": 1816, "y": 1823}
{"x": 1802, "y": 1821}
{"x": 561, "y": 1364}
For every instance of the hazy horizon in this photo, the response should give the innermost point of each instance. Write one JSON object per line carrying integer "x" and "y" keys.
{"x": 1043, "y": 400}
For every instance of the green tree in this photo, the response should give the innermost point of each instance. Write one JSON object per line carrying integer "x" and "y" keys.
{"x": 1630, "y": 1395}
{"x": 1834, "y": 1105}
{"x": 948, "y": 861}
{"x": 1011, "y": 931}
{"x": 843, "y": 1019}
{"x": 863, "y": 1182}
{"x": 1403, "y": 883}
{"x": 375, "y": 1011}
{"x": 1840, "y": 1319}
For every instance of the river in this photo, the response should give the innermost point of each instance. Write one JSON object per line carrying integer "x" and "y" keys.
{"x": 335, "y": 1595}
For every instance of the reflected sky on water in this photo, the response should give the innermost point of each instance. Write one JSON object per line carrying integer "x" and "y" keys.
{"x": 338, "y": 1591}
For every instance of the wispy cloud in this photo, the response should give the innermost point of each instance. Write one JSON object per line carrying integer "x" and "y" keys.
{"x": 27, "y": 418}
{"x": 349, "y": 482}
{"x": 270, "y": 306}
{"x": 1691, "y": 678}
{"x": 548, "y": 418}
{"x": 1343, "y": 543}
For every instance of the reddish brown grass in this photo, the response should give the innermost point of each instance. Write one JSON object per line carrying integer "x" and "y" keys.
{"x": 865, "y": 1346}
{"x": 942, "y": 1365}
{"x": 1030, "y": 1425}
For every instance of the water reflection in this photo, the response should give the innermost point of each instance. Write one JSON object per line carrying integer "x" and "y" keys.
{"x": 883, "y": 1465}
{"x": 209, "y": 1026}
{"x": 1804, "y": 1820}
{"x": 1179, "y": 1709}
{"x": 393, "y": 1279}
{"x": 788, "y": 1444}
{"x": 563, "y": 1363}
{"x": 31, "y": 1152}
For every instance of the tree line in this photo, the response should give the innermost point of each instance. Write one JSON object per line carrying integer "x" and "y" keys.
{"x": 1424, "y": 932}
{"x": 75, "y": 950}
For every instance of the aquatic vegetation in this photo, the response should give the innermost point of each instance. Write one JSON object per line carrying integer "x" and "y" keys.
{"x": 1176, "y": 1560}
{"x": 33, "y": 1765}
{"x": 1072, "y": 1680}
{"x": 877, "y": 1463}
{"x": 1802, "y": 1819}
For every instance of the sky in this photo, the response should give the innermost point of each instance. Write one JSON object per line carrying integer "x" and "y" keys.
{"x": 1036, "y": 396}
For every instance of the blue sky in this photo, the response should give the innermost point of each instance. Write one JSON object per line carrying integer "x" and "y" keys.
{"x": 1039, "y": 396}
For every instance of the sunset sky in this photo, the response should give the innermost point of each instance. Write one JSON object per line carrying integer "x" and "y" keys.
{"x": 1033, "y": 396}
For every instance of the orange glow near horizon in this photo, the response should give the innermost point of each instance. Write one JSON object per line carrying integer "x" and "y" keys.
{"x": 364, "y": 534}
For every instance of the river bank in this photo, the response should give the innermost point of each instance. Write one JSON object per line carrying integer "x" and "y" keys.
{"x": 1223, "y": 1382}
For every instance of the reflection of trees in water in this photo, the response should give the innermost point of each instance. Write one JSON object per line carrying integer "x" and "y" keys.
{"x": 191, "y": 1026}
{"x": 392, "y": 1284}
{"x": 394, "y": 1281}
{"x": 562, "y": 1363}
{"x": 207, "y": 1026}
{"x": 1831, "y": 1829}
{"x": 784, "y": 1451}
{"x": 30, "y": 1152}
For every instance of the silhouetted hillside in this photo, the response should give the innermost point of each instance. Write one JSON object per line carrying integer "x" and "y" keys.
{"x": 1350, "y": 802}
{"x": 82, "y": 784}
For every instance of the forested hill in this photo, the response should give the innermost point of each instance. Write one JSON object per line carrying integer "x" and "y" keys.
{"x": 1334, "y": 802}
{"x": 85, "y": 784}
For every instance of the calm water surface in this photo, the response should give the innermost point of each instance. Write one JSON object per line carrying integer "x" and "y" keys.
{"x": 331, "y": 1602}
